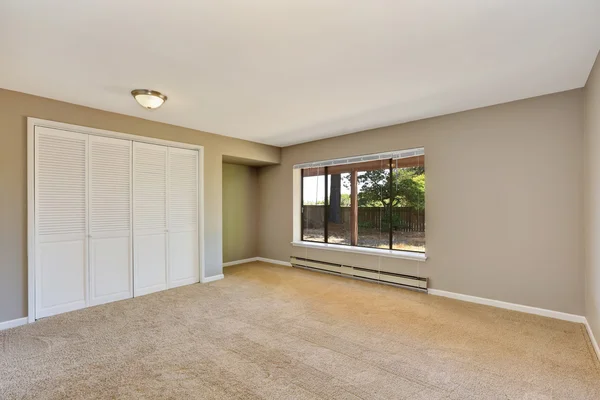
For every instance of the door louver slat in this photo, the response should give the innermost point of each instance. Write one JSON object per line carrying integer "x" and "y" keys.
{"x": 61, "y": 183}
{"x": 183, "y": 178}
{"x": 150, "y": 182}
{"x": 110, "y": 185}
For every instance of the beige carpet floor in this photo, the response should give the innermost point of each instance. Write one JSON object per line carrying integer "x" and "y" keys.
{"x": 271, "y": 332}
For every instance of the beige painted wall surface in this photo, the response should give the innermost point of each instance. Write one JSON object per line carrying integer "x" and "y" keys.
{"x": 592, "y": 198}
{"x": 504, "y": 199}
{"x": 15, "y": 107}
{"x": 240, "y": 212}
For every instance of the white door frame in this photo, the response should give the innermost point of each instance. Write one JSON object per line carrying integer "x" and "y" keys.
{"x": 31, "y": 124}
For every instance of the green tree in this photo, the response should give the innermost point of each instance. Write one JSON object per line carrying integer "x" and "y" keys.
{"x": 345, "y": 200}
{"x": 408, "y": 188}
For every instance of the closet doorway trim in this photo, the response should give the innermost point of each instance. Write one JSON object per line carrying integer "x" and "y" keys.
{"x": 31, "y": 124}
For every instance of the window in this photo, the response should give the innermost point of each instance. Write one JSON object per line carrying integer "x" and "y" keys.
{"x": 338, "y": 201}
{"x": 373, "y": 188}
{"x": 313, "y": 203}
{"x": 408, "y": 204}
{"x": 378, "y": 203}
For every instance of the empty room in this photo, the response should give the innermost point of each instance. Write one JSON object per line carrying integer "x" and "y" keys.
{"x": 300, "y": 199}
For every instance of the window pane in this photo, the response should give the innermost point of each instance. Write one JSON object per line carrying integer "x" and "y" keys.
{"x": 313, "y": 210}
{"x": 374, "y": 204}
{"x": 338, "y": 226}
{"x": 408, "y": 216}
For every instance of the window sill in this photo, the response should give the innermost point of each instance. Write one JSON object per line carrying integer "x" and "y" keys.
{"x": 407, "y": 255}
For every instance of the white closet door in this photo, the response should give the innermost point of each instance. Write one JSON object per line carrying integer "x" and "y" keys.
{"x": 111, "y": 268}
{"x": 150, "y": 217}
{"x": 183, "y": 217}
{"x": 61, "y": 221}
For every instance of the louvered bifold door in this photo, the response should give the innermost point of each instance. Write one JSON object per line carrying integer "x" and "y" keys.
{"x": 110, "y": 189}
{"x": 149, "y": 217}
{"x": 60, "y": 221}
{"x": 183, "y": 217}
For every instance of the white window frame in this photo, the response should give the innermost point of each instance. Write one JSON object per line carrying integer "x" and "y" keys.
{"x": 31, "y": 124}
{"x": 297, "y": 207}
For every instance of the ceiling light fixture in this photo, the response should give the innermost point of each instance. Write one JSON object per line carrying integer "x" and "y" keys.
{"x": 149, "y": 99}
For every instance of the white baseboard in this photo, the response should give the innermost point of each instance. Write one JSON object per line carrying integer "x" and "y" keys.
{"x": 271, "y": 261}
{"x": 244, "y": 261}
{"x": 212, "y": 278}
{"x": 526, "y": 309}
{"x": 13, "y": 323}
{"x": 510, "y": 306}
{"x": 592, "y": 338}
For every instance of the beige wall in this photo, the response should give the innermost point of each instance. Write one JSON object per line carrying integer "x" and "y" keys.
{"x": 504, "y": 197}
{"x": 592, "y": 198}
{"x": 240, "y": 212}
{"x": 15, "y": 107}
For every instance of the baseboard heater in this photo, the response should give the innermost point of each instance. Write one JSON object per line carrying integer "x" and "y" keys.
{"x": 388, "y": 278}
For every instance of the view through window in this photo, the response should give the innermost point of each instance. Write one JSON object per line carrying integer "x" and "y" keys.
{"x": 377, "y": 204}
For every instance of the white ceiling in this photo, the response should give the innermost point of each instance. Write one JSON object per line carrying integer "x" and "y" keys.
{"x": 286, "y": 72}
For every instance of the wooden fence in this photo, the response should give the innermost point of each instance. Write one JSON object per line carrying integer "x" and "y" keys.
{"x": 406, "y": 219}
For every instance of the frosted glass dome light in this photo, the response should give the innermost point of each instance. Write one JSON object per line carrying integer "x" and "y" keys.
{"x": 149, "y": 99}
